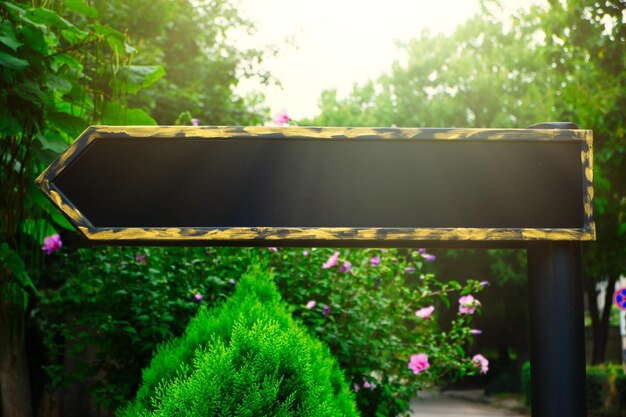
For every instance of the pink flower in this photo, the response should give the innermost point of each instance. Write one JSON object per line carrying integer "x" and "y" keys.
{"x": 345, "y": 267}
{"x": 356, "y": 387}
{"x": 366, "y": 384}
{"x": 305, "y": 253}
{"x": 195, "y": 122}
{"x": 281, "y": 118}
{"x": 419, "y": 363}
{"x": 326, "y": 310}
{"x": 484, "y": 283}
{"x": 375, "y": 260}
{"x": 468, "y": 304}
{"x": 141, "y": 259}
{"x": 273, "y": 249}
{"x": 311, "y": 304}
{"x": 426, "y": 256}
{"x": 332, "y": 261}
{"x": 198, "y": 297}
{"x": 476, "y": 331}
{"x": 479, "y": 361}
{"x": 425, "y": 312}
{"x": 52, "y": 243}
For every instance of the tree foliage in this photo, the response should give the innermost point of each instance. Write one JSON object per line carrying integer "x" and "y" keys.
{"x": 67, "y": 64}
{"x": 564, "y": 62}
{"x": 191, "y": 40}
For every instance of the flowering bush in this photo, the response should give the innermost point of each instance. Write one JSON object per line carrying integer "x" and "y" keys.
{"x": 108, "y": 308}
{"x": 377, "y": 310}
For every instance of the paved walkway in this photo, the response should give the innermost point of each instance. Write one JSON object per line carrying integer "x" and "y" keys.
{"x": 444, "y": 405}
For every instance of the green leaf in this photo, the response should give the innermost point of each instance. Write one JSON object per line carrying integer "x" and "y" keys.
{"x": 81, "y": 7}
{"x": 35, "y": 38}
{"x": 51, "y": 143}
{"x": 9, "y": 125}
{"x": 12, "y": 62}
{"x": 114, "y": 38}
{"x": 67, "y": 123}
{"x": 55, "y": 82}
{"x": 114, "y": 114}
{"x": 29, "y": 90}
{"x": 48, "y": 17}
{"x": 14, "y": 10}
{"x": 7, "y": 36}
{"x": 12, "y": 261}
{"x": 142, "y": 76}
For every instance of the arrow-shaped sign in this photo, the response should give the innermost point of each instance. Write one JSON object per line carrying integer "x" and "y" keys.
{"x": 324, "y": 186}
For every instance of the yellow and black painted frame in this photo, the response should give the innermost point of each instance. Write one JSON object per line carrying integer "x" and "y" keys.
{"x": 319, "y": 236}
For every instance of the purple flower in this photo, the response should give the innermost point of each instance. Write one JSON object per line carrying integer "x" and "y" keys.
{"x": 52, "y": 243}
{"x": 484, "y": 283}
{"x": 345, "y": 267}
{"x": 332, "y": 261}
{"x": 425, "y": 312}
{"x": 281, "y": 118}
{"x": 311, "y": 304}
{"x": 141, "y": 259}
{"x": 419, "y": 363}
{"x": 356, "y": 387}
{"x": 366, "y": 384}
{"x": 409, "y": 269}
{"x": 476, "y": 331}
{"x": 198, "y": 297}
{"x": 326, "y": 310}
{"x": 232, "y": 281}
{"x": 195, "y": 122}
{"x": 123, "y": 264}
{"x": 273, "y": 249}
{"x": 479, "y": 361}
{"x": 468, "y": 304}
{"x": 375, "y": 260}
{"x": 426, "y": 256}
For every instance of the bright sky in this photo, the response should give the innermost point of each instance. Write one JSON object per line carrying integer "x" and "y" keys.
{"x": 336, "y": 43}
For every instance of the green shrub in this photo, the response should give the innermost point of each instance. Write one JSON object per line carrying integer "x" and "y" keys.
{"x": 125, "y": 302}
{"x": 605, "y": 389}
{"x": 596, "y": 387}
{"x": 247, "y": 357}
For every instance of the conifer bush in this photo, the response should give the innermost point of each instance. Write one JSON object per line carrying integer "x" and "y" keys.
{"x": 246, "y": 357}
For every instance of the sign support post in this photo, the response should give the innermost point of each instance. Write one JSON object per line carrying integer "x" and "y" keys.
{"x": 557, "y": 341}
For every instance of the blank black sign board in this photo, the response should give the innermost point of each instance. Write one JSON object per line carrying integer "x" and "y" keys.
{"x": 324, "y": 186}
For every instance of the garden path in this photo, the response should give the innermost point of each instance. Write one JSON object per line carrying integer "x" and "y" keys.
{"x": 442, "y": 405}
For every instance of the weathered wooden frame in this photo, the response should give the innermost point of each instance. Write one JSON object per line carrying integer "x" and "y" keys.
{"x": 323, "y": 236}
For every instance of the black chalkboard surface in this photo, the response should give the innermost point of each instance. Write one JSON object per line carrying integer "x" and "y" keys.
{"x": 314, "y": 184}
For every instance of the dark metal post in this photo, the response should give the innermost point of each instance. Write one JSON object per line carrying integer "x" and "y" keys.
{"x": 557, "y": 330}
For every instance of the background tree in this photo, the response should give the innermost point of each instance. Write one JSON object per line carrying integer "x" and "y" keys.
{"x": 563, "y": 62}
{"x": 63, "y": 66}
{"x": 191, "y": 41}
{"x": 585, "y": 45}
{"x": 51, "y": 84}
